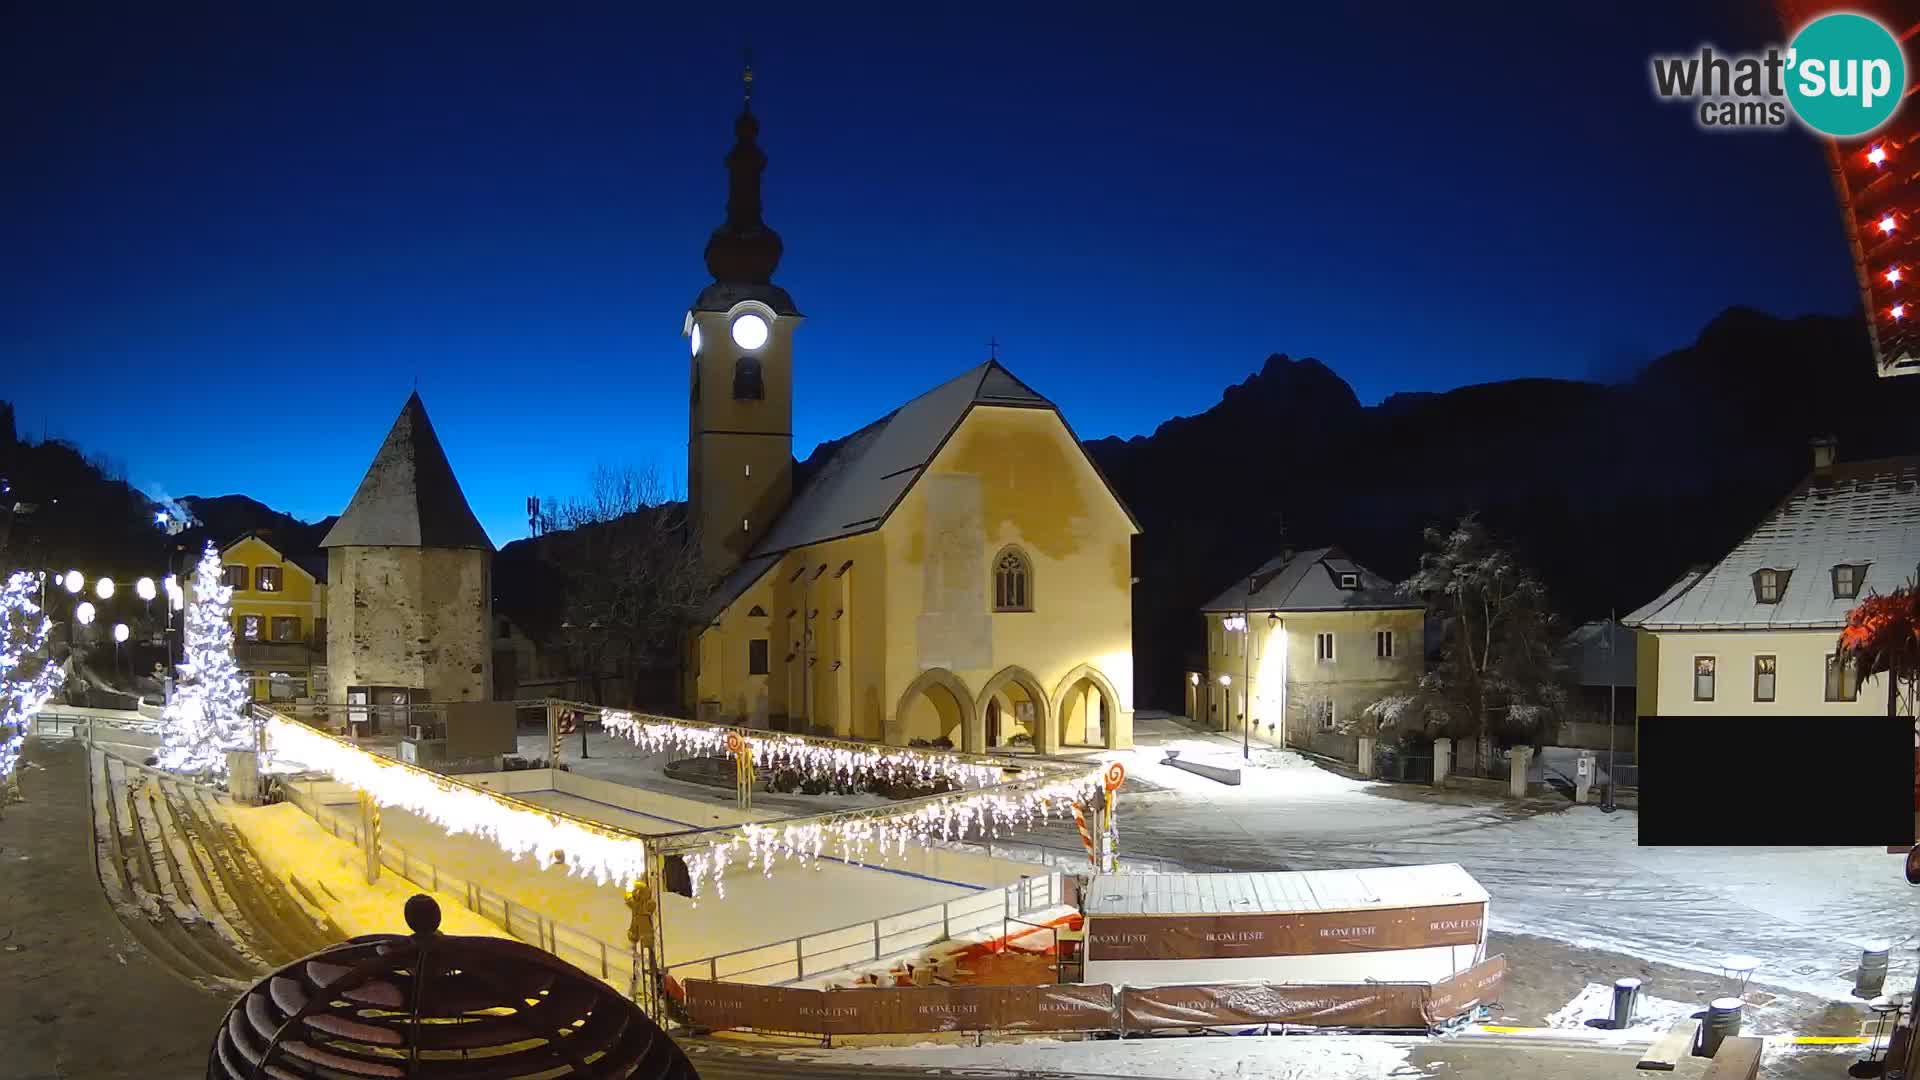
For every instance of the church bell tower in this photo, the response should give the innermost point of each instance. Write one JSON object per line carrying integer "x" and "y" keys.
{"x": 740, "y": 330}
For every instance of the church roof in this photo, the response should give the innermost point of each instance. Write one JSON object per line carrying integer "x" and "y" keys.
{"x": 855, "y": 489}
{"x": 858, "y": 486}
{"x": 409, "y": 497}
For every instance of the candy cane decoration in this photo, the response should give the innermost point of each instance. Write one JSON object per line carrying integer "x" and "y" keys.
{"x": 1086, "y": 835}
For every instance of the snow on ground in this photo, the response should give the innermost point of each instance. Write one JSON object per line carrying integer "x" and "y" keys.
{"x": 1575, "y": 875}
{"x": 1651, "y": 1015}
{"x": 289, "y": 844}
{"x": 1310, "y": 1057}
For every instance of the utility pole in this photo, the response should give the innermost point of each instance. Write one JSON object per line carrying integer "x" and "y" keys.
{"x": 1613, "y": 690}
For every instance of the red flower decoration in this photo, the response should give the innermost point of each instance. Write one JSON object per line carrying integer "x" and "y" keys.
{"x": 1883, "y": 633}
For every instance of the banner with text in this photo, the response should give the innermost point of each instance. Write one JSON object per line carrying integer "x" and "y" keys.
{"x": 1210, "y": 937}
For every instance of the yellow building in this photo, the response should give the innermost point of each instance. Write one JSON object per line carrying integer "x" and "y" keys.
{"x": 1314, "y": 638}
{"x": 1755, "y": 633}
{"x": 279, "y": 618}
{"x": 957, "y": 570}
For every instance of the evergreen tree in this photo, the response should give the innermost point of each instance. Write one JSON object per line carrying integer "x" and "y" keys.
{"x": 28, "y": 675}
{"x": 207, "y": 715}
{"x": 1497, "y": 670}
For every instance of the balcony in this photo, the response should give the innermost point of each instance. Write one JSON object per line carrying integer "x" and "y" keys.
{"x": 299, "y": 654}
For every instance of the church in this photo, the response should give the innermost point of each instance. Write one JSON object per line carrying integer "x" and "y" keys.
{"x": 957, "y": 572}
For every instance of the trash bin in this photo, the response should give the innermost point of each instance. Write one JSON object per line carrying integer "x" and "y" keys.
{"x": 1722, "y": 1023}
{"x": 1872, "y": 976}
{"x": 1626, "y": 994}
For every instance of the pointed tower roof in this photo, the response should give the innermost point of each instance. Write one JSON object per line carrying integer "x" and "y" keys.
{"x": 409, "y": 497}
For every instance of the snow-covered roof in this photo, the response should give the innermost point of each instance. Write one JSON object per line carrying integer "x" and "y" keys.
{"x": 857, "y": 487}
{"x": 1681, "y": 584}
{"x": 1281, "y": 892}
{"x": 1589, "y": 661}
{"x": 1864, "y": 514}
{"x": 409, "y": 497}
{"x": 1310, "y": 581}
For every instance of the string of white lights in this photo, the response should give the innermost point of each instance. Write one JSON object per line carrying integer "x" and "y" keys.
{"x": 548, "y": 839}
{"x": 846, "y": 764}
{"x": 25, "y": 685}
{"x": 869, "y": 836}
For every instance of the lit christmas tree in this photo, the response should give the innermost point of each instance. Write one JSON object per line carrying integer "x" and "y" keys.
{"x": 28, "y": 675}
{"x": 208, "y": 713}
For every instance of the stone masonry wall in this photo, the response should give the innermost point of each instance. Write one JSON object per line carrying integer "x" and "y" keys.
{"x": 405, "y": 616}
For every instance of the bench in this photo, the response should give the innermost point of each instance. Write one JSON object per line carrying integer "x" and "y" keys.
{"x": 1737, "y": 1059}
{"x": 1665, "y": 1054}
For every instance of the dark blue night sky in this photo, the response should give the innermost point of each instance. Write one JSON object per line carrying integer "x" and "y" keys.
{"x": 236, "y": 234}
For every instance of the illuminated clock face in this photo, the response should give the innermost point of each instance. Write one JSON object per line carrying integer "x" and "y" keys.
{"x": 749, "y": 331}
{"x": 696, "y": 339}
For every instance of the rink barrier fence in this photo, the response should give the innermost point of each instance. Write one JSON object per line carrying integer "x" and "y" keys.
{"x": 787, "y": 960}
{"x": 611, "y": 961}
{"x": 812, "y": 955}
{"x": 1095, "y": 1007}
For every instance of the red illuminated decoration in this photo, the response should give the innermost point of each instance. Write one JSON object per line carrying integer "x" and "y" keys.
{"x": 1882, "y": 635}
{"x": 1878, "y": 188}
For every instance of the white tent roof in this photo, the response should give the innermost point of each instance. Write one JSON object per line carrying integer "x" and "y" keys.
{"x": 1282, "y": 892}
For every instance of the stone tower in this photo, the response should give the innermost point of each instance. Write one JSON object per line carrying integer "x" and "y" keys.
{"x": 409, "y": 589}
{"x": 740, "y": 431}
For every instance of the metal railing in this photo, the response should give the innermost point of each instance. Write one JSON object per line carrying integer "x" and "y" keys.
{"x": 1073, "y": 860}
{"x": 805, "y": 956}
{"x": 56, "y": 723}
{"x": 810, "y": 956}
{"x": 612, "y": 962}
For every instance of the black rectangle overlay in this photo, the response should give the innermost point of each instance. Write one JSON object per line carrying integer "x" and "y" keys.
{"x": 1776, "y": 781}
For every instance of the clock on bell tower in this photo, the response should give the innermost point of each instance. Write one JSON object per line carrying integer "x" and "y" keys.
{"x": 740, "y": 330}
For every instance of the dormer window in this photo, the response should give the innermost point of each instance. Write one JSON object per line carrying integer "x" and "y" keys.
{"x": 1349, "y": 581}
{"x": 1846, "y": 580}
{"x": 1770, "y": 585}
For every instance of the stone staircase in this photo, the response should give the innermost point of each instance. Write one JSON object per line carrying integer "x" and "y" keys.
{"x": 186, "y": 883}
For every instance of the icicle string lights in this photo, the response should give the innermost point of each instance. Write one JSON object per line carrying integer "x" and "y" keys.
{"x": 519, "y": 829}
{"x": 608, "y": 856}
{"x": 869, "y": 836}
{"x": 845, "y": 763}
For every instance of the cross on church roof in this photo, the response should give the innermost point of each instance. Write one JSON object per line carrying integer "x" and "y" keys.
{"x": 993, "y": 348}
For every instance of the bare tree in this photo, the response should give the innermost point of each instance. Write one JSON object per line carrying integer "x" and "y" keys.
{"x": 1497, "y": 661}
{"x": 630, "y": 572}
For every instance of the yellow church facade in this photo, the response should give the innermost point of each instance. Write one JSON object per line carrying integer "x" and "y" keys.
{"x": 957, "y": 572}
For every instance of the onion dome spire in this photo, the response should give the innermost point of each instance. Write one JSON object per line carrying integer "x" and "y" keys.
{"x": 744, "y": 250}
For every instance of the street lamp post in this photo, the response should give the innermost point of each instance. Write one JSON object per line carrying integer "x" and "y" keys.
{"x": 1246, "y": 673}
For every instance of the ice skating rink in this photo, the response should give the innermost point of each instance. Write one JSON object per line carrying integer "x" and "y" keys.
{"x": 756, "y": 911}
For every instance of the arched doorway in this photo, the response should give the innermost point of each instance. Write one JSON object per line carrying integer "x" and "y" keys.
{"x": 937, "y": 706}
{"x": 1013, "y": 705}
{"x": 1087, "y": 708}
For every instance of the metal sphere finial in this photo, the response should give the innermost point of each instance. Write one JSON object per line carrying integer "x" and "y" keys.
{"x": 423, "y": 915}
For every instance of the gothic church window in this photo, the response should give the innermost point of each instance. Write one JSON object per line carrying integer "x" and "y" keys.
{"x": 1012, "y": 581}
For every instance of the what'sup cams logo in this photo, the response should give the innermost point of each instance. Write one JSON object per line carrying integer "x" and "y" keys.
{"x": 1842, "y": 75}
